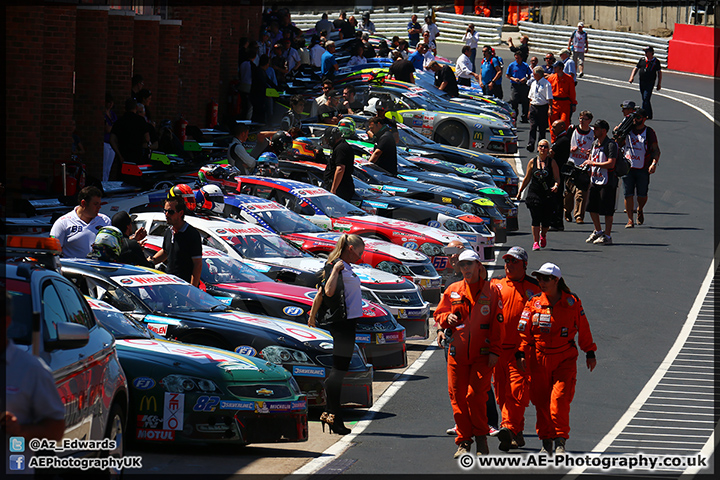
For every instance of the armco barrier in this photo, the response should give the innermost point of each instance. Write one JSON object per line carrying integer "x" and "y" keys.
{"x": 604, "y": 45}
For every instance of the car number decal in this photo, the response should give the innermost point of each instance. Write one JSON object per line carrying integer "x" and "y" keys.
{"x": 205, "y": 403}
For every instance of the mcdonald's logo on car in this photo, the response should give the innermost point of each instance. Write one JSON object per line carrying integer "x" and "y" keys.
{"x": 145, "y": 403}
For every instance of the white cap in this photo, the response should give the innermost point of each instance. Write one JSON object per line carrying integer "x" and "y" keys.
{"x": 469, "y": 255}
{"x": 581, "y": 24}
{"x": 548, "y": 269}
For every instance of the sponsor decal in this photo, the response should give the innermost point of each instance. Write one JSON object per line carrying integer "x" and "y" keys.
{"x": 309, "y": 371}
{"x": 143, "y": 383}
{"x": 478, "y": 126}
{"x": 148, "y": 403}
{"x": 343, "y": 227}
{"x": 236, "y": 405}
{"x": 376, "y": 204}
{"x": 434, "y": 224}
{"x": 309, "y": 192}
{"x": 393, "y": 337}
{"x": 235, "y": 365}
{"x": 379, "y": 339}
{"x": 220, "y": 231}
{"x": 410, "y": 245}
{"x": 156, "y": 435}
{"x": 158, "y": 328}
{"x": 521, "y": 325}
{"x": 246, "y": 350}
{"x": 368, "y": 312}
{"x": 454, "y": 295}
{"x": 243, "y": 231}
{"x": 326, "y": 345}
{"x": 477, "y": 135}
{"x": 564, "y": 332}
{"x": 286, "y": 327}
{"x": 300, "y": 405}
{"x": 293, "y": 311}
{"x": 391, "y": 188}
{"x": 224, "y": 300}
{"x": 140, "y": 280}
{"x": 362, "y": 338}
{"x": 206, "y": 403}
{"x": 447, "y": 200}
{"x": 148, "y": 421}
{"x": 174, "y": 410}
{"x": 217, "y": 428}
{"x": 485, "y": 310}
{"x": 571, "y": 301}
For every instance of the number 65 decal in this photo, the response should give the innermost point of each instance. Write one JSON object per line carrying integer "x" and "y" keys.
{"x": 206, "y": 404}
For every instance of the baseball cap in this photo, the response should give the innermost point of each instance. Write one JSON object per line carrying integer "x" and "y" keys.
{"x": 564, "y": 51}
{"x": 558, "y": 64}
{"x": 648, "y": 47}
{"x": 641, "y": 112}
{"x": 602, "y": 124}
{"x": 627, "y": 104}
{"x": 581, "y": 24}
{"x": 470, "y": 255}
{"x": 517, "y": 252}
{"x": 548, "y": 269}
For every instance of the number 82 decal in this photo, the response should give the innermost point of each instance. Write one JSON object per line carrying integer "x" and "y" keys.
{"x": 206, "y": 404}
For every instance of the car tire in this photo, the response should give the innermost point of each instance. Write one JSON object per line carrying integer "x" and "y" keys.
{"x": 452, "y": 133}
{"x": 115, "y": 430}
{"x": 374, "y": 236}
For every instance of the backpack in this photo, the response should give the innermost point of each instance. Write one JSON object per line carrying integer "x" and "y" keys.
{"x": 622, "y": 166}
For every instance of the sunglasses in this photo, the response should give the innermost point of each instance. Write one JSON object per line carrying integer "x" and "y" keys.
{"x": 543, "y": 146}
{"x": 169, "y": 212}
{"x": 465, "y": 264}
{"x": 512, "y": 260}
{"x": 544, "y": 278}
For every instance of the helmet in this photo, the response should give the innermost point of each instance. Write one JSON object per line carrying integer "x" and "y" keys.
{"x": 267, "y": 165}
{"x": 347, "y": 127}
{"x": 107, "y": 244}
{"x": 281, "y": 141}
{"x": 331, "y": 136}
{"x": 372, "y": 105}
{"x": 183, "y": 193}
{"x": 303, "y": 149}
{"x": 219, "y": 171}
{"x": 210, "y": 197}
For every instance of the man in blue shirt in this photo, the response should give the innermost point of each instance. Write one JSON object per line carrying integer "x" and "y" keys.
{"x": 519, "y": 73}
{"x": 328, "y": 64}
{"x": 418, "y": 56}
{"x": 491, "y": 74}
{"x": 414, "y": 29}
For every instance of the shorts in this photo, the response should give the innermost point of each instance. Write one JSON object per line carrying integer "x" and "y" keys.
{"x": 578, "y": 58}
{"x": 542, "y": 214}
{"x": 601, "y": 200}
{"x": 637, "y": 180}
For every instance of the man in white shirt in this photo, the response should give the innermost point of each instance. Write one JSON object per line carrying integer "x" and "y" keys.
{"x": 77, "y": 229}
{"x": 237, "y": 155}
{"x": 316, "y": 52}
{"x": 540, "y": 94}
{"x": 471, "y": 38}
{"x": 431, "y": 27}
{"x": 464, "y": 67}
{"x": 581, "y": 141}
{"x": 569, "y": 64}
{"x": 428, "y": 58}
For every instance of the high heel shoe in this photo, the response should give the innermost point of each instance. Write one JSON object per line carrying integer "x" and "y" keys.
{"x": 336, "y": 425}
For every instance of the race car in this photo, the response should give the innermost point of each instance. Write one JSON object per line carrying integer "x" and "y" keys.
{"x": 298, "y": 230}
{"x": 174, "y": 309}
{"x": 379, "y": 336}
{"x": 271, "y": 254}
{"x": 185, "y": 393}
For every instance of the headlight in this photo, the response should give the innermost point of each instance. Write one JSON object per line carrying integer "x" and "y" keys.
{"x": 431, "y": 249}
{"x": 395, "y": 268}
{"x": 280, "y": 355}
{"x": 501, "y": 131}
{"x": 184, "y": 384}
{"x": 457, "y": 226}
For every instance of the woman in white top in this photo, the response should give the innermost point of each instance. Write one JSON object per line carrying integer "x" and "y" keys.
{"x": 471, "y": 39}
{"x": 358, "y": 58}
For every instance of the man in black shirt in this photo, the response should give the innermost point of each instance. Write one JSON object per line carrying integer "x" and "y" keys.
{"x": 560, "y": 153}
{"x": 444, "y": 78}
{"x": 402, "y": 69}
{"x": 131, "y": 251}
{"x": 385, "y": 153}
{"x": 338, "y": 177}
{"x": 328, "y": 113}
{"x": 129, "y": 136}
{"x": 350, "y": 104}
{"x": 182, "y": 247}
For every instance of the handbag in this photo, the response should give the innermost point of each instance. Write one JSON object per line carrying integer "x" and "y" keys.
{"x": 332, "y": 309}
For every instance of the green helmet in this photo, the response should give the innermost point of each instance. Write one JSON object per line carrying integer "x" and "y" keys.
{"x": 347, "y": 127}
{"x": 107, "y": 244}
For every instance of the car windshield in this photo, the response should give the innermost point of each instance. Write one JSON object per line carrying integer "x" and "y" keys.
{"x": 286, "y": 221}
{"x": 335, "y": 207}
{"x": 217, "y": 269}
{"x": 259, "y": 246}
{"x": 120, "y": 325}
{"x": 175, "y": 297}
{"x": 410, "y": 138}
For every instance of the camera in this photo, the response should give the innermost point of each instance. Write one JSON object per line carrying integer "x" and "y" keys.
{"x": 625, "y": 126}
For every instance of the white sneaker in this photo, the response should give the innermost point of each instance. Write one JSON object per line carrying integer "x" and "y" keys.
{"x": 594, "y": 236}
{"x": 603, "y": 240}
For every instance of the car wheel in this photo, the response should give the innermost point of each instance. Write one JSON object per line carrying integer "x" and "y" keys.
{"x": 163, "y": 185}
{"x": 452, "y": 133}
{"x": 321, "y": 254}
{"x": 115, "y": 430}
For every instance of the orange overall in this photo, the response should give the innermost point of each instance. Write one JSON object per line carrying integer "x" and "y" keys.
{"x": 512, "y": 386}
{"x": 552, "y": 329}
{"x": 479, "y": 306}
{"x": 563, "y": 91}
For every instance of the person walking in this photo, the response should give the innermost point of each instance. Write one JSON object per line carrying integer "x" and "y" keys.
{"x": 578, "y": 45}
{"x": 640, "y": 147}
{"x": 337, "y": 307}
{"x": 512, "y": 387}
{"x": 518, "y": 72}
{"x": 76, "y": 230}
{"x": 649, "y": 69}
{"x": 414, "y": 30}
{"x": 570, "y": 67}
{"x": 491, "y": 74}
{"x": 576, "y": 193}
{"x": 563, "y": 103}
{"x": 542, "y": 179}
{"x": 471, "y": 39}
{"x": 471, "y": 312}
{"x": 604, "y": 182}
{"x": 550, "y": 322}
{"x": 338, "y": 176}
{"x": 539, "y": 95}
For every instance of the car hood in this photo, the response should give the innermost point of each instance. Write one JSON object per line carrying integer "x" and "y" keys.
{"x": 282, "y": 291}
{"x": 396, "y": 251}
{"x": 434, "y": 233}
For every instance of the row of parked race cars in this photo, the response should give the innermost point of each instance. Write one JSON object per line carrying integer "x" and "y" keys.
{"x": 235, "y": 360}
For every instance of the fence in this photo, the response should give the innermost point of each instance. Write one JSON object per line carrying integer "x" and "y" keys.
{"x": 604, "y": 44}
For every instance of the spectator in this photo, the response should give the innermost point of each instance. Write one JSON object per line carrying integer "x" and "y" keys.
{"x": 524, "y": 48}
{"x": 403, "y": 49}
{"x": 245, "y": 86}
{"x": 182, "y": 246}
{"x": 264, "y": 47}
{"x": 270, "y": 82}
{"x": 563, "y": 103}
{"x": 323, "y": 24}
{"x": 385, "y": 152}
{"x": 578, "y": 45}
{"x": 345, "y": 28}
{"x": 395, "y": 42}
{"x": 279, "y": 64}
{"x": 560, "y": 153}
{"x": 581, "y": 140}
{"x": 350, "y": 105}
{"x": 274, "y": 33}
{"x": 316, "y": 52}
{"x": 237, "y": 154}
{"x": 570, "y": 68}
{"x": 368, "y": 49}
{"x": 549, "y": 66}
{"x": 431, "y": 27}
{"x": 326, "y": 86}
{"x": 354, "y": 23}
{"x": 540, "y": 95}
{"x": 431, "y": 45}
{"x": 338, "y": 177}
{"x": 328, "y": 63}
{"x": 109, "y": 117}
{"x": 367, "y": 24}
{"x": 383, "y": 50}
{"x": 444, "y": 78}
{"x": 329, "y": 113}
{"x": 129, "y": 136}
{"x": 542, "y": 177}
{"x": 418, "y": 56}
{"x": 76, "y": 147}
{"x": 428, "y": 57}
{"x": 293, "y": 117}
{"x": 401, "y": 69}
{"x": 137, "y": 84}
{"x": 641, "y": 148}
{"x": 292, "y": 57}
{"x": 650, "y": 69}
{"x": 533, "y": 62}
{"x": 491, "y": 74}
{"x": 145, "y": 99}
{"x": 359, "y": 57}
{"x": 471, "y": 39}
{"x": 131, "y": 251}
{"x": 601, "y": 198}
{"x": 414, "y": 30}
{"x": 76, "y": 230}
{"x": 302, "y": 50}
{"x": 153, "y": 143}
{"x": 519, "y": 73}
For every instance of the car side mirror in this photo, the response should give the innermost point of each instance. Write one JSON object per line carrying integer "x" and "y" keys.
{"x": 69, "y": 336}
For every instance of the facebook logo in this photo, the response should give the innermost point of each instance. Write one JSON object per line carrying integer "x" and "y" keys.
{"x": 17, "y": 462}
{"x": 17, "y": 444}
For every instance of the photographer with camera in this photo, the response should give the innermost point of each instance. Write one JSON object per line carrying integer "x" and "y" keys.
{"x": 577, "y": 182}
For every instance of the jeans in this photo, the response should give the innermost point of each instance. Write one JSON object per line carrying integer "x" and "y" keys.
{"x": 646, "y": 92}
{"x": 473, "y": 53}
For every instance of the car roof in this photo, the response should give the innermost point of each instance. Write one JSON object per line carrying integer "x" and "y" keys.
{"x": 283, "y": 183}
